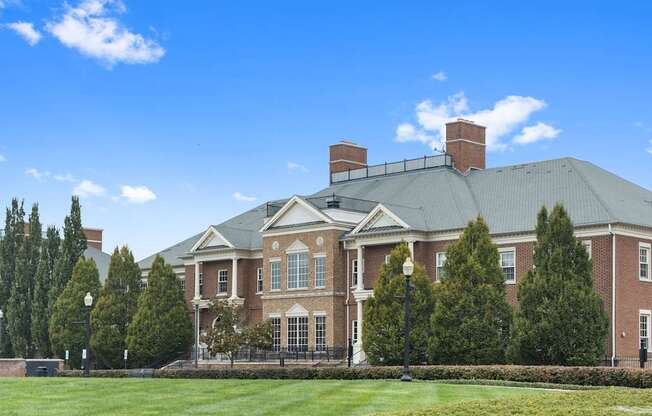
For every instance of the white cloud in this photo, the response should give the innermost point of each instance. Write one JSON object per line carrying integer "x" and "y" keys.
{"x": 88, "y": 188}
{"x": 26, "y": 31}
{"x": 506, "y": 115}
{"x": 244, "y": 198}
{"x": 2, "y": 158}
{"x": 93, "y": 30}
{"x": 649, "y": 149}
{"x": 137, "y": 194}
{"x": 36, "y": 174}
{"x": 539, "y": 131}
{"x": 440, "y": 76}
{"x": 295, "y": 167}
{"x": 64, "y": 178}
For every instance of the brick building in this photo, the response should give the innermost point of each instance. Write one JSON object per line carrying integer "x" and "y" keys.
{"x": 310, "y": 262}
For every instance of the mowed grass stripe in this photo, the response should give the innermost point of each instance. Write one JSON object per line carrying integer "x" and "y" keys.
{"x": 69, "y": 396}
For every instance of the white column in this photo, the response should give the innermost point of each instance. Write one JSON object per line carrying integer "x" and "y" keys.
{"x": 358, "y": 350}
{"x": 360, "y": 283}
{"x": 234, "y": 283}
{"x": 411, "y": 245}
{"x": 197, "y": 279}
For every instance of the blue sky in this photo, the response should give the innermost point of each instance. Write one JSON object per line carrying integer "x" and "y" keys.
{"x": 159, "y": 113}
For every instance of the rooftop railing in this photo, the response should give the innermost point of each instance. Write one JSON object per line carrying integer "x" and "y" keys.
{"x": 407, "y": 165}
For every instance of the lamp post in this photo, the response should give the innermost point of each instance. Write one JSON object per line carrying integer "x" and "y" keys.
{"x": 408, "y": 269}
{"x": 195, "y": 303}
{"x": 2, "y": 315}
{"x": 88, "y": 302}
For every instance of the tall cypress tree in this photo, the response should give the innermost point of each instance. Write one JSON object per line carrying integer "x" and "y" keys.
{"x": 33, "y": 248}
{"x": 161, "y": 328}
{"x": 561, "y": 319}
{"x": 383, "y": 328}
{"x": 66, "y": 331}
{"x": 40, "y": 310}
{"x": 72, "y": 248}
{"x": 116, "y": 307}
{"x": 471, "y": 321}
{"x": 11, "y": 243}
{"x": 18, "y": 307}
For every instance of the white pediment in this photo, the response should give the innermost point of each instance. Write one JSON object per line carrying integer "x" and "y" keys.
{"x": 296, "y": 212}
{"x": 211, "y": 238}
{"x": 297, "y": 247}
{"x": 296, "y": 310}
{"x": 379, "y": 217}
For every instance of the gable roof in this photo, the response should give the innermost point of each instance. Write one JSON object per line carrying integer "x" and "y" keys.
{"x": 102, "y": 261}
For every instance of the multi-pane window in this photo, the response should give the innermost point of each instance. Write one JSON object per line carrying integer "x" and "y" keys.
{"x": 354, "y": 331}
{"x": 298, "y": 271}
{"x": 276, "y": 334}
{"x": 144, "y": 284}
{"x": 644, "y": 263}
{"x": 182, "y": 283}
{"x": 508, "y": 264}
{"x": 275, "y": 274}
{"x": 298, "y": 333}
{"x": 441, "y": 260}
{"x": 222, "y": 281}
{"x": 387, "y": 258}
{"x": 320, "y": 271}
{"x": 354, "y": 272}
{"x": 201, "y": 283}
{"x": 259, "y": 280}
{"x": 644, "y": 331}
{"x": 320, "y": 333}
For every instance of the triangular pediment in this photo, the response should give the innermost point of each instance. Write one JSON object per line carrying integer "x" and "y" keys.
{"x": 211, "y": 238}
{"x": 297, "y": 310}
{"x": 297, "y": 247}
{"x": 296, "y": 212}
{"x": 380, "y": 218}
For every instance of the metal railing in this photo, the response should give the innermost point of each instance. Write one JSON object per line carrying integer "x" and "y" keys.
{"x": 257, "y": 355}
{"x": 627, "y": 362}
{"x": 407, "y": 165}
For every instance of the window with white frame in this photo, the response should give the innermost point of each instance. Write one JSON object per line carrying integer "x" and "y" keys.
{"x": 441, "y": 260}
{"x": 508, "y": 264}
{"x": 644, "y": 329}
{"x": 320, "y": 271}
{"x": 298, "y": 333}
{"x": 201, "y": 283}
{"x": 144, "y": 284}
{"x": 320, "y": 333}
{"x": 354, "y": 272}
{"x": 387, "y": 259}
{"x": 588, "y": 246}
{"x": 275, "y": 275}
{"x": 644, "y": 262}
{"x": 276, "y": 334}
{"x": 222, "y": 281}
{"x": 354, "y": 331}
{"x": 298, "y": 271}
{"x": 182, "y": 283}
{"x": 259, "y": 280}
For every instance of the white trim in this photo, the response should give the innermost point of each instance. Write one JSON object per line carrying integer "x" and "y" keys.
{"x": 308, "y": 229}
{"x": 226, "y": 292}
{"x": 319, "y": 255}
{"x": 364, "y": 165}
{"x": 465, "y": 141}
{"x": 301, "y": 295}
{"x": 647, "y": 313}
{"x": 323, "y": 258}
{"x": 319, "y": 313}
{"x": 437, "y": 266}
{"x": 588, "y": 245}
{"x": 648, "y": 248}
{"x": 260, "y": 277}
{"x": 274, "y": 315}
{"x": 295, "y": 200}
{"x": 274, "y": 259}
{"x": 378, "y": 209}
{"x": 502, "y": 250}
{"x": 296, "y": 311}
{"x": 297, "y": 246}
{"x": 209, "y": 233}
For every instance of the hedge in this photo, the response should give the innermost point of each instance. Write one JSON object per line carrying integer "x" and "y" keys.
{"x": 581, "y": 376}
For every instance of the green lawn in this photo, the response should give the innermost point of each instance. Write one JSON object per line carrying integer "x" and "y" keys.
{"x": 603, "y": 402}
{"x": 64, "y": 396}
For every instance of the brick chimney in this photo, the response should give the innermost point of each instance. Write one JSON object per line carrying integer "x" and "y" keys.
{"x": 347, "y": 155}
{"x": 94, "y": 237}
{"x": 465, "y": 142}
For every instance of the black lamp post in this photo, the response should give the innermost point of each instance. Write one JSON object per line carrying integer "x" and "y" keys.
{"x": 195, "y": 302}
{"x": 88, "y": 302}
{"x": 408, "y": 269}
{"x": 2, "y": 315}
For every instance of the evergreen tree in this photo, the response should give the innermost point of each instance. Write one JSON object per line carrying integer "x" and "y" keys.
{"x": 12, "y": 241}
{"x": 161, "y": 329}
{"x": 471, "y": 320}
{"x": 561, "y": 319}
{"x": 33, "y": 244}
{"x": 71, "y": 249}
{"x": 384, "y": 323}
{"x": 40, "y": 310}
{"x": 116, "y": 307}
{"x": 66, "y": 328}
{"x": 18, "y": 307}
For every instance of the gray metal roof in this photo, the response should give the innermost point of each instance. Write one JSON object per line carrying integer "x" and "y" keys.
{"x": 171, "y": 254}
{"x": 442, "y": 199}
{"x": 102, "y": 261}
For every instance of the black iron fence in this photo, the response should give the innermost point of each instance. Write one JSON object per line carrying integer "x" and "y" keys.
{"x": 628, "y": 362}
{"x": 257, "y": 355}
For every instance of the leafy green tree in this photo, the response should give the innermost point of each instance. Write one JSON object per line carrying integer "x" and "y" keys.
{"x": 383, "y": 327}
{"x": 561, "y": 319}
{"x": 228, "y": 333}
{"x": 40, "y": 311}
{"x": 161, "y": 329}
{"x": 115, "y": 309}
{"x": 18, "y": 307}
{"x": 71, "y": 249}
{"x": 67, "y": 323}
{"x": 471, "y": 320}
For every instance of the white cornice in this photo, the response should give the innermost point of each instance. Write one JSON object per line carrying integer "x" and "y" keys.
{"x": 379, "y": 208}
{"x": 207, "y": 234}
{"x": 295, "y": 200}
{"x": 307, "y": 229}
